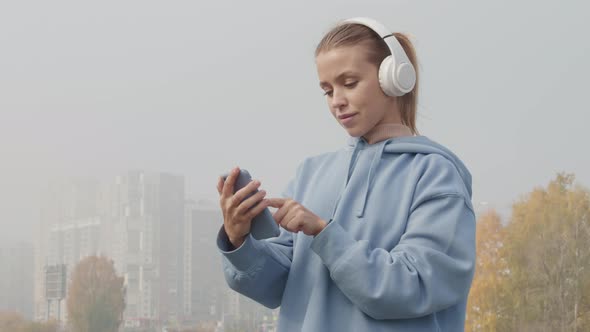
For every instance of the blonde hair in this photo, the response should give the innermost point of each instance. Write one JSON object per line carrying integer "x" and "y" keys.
{"x": 354, "y": 34}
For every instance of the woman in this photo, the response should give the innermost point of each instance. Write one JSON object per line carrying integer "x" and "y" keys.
{"x": 379, "y": 236}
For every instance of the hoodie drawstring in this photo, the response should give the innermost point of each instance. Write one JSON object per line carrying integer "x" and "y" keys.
{"x": 351, "y": 162}
{"x": 372, "y": 170}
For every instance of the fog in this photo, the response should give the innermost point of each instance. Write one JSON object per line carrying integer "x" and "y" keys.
{"x": 194, "y": 88}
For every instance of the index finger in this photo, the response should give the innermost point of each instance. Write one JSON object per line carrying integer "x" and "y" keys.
{"x": 276, "y": 202}
{"x": 230, "y": 181}
{"x": 220, "y": 184}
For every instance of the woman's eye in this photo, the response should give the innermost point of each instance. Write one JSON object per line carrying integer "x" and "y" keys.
{"x": 351, "y": 84}
{"x": 328, "y": 93}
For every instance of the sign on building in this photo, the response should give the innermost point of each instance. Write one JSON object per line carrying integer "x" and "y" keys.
{"x": 55, "y": 282}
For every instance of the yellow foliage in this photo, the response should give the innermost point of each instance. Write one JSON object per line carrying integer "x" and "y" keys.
{"x": 534, "y": 274}
{"x": 96, "y": 296}
{"x": 485, "y": 298}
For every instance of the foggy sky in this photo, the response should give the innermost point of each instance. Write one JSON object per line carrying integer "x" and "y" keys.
{"x": 195, "y": 87}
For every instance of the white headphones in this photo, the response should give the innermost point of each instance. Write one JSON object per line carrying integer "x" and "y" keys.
{"x": 397, "y": 75}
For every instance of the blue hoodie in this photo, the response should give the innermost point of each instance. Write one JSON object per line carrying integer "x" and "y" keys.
{"x": 398, "y": 253}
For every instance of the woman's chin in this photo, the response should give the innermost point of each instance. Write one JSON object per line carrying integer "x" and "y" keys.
{"x": 354, "y": 132}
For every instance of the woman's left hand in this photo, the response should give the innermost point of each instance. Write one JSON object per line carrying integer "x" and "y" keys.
{"x": 294, "y": 217}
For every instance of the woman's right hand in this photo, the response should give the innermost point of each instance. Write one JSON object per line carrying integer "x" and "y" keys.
{"x": 237, "y": 212}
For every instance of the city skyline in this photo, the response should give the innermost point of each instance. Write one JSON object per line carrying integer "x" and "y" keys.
{"x": 94, "y": 91}
{"x": 160, "y": 241}
{"x": 100, "y": 88}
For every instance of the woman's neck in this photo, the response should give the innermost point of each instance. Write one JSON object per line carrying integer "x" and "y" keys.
{"x": 385, "y": 131}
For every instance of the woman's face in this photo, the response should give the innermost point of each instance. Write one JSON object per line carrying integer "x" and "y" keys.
{"x": 351, "y": 85}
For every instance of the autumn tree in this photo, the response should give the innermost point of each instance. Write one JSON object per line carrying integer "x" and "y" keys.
{"x": 11, "y": 321}
{"x": 96, "y": 296}
{"x": 50, "y": 326}
{"x": 201, "y": 327}
{"x": 547, "y": 250}
{"x": 486, "y": 304}
{"x": 15, "y": 322}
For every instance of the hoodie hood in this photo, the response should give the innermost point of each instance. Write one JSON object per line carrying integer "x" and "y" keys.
{"x": 399, "y": 145}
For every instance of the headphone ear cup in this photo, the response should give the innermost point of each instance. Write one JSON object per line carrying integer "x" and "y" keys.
{"x": 386, "y": 77}
{"x": 405, "y": 77}
{"x": 396, "y": 81}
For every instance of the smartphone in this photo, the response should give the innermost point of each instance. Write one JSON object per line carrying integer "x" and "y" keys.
{"x": 263, "y": 225}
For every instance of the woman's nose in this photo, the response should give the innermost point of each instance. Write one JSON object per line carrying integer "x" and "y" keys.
{"x": 338, "y": 99}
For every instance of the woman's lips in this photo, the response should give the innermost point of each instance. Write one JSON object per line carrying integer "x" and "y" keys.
{"x": 346, "y": 119}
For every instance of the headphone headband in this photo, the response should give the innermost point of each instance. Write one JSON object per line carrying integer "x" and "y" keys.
{"x": 397, "y": 76}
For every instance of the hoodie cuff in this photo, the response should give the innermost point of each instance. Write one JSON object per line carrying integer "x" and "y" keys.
{"x": 243, "y": 257}
{"x": 331, "y": 244}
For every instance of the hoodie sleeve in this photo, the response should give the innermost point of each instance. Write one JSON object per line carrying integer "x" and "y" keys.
{"x": 259, "y": 269}
{"x": 430, "y": 269}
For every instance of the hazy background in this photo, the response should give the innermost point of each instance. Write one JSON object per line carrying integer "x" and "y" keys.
{"x": 196, "y": 87}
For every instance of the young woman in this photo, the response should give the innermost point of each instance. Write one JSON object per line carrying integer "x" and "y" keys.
{"x": 378, "y": 236}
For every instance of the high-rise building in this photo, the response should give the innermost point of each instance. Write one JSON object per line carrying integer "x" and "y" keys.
{"x": 71, "y": 242}
{"x": 137, "y": 220}
{"x": 65, "y": 202}
{"x": 147, "y": 213}
{"x": 207, "y": 296}
{"x": 16, "y": 279}
{"x": 68, "y": 244}
{"x": 204, "y": 284}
